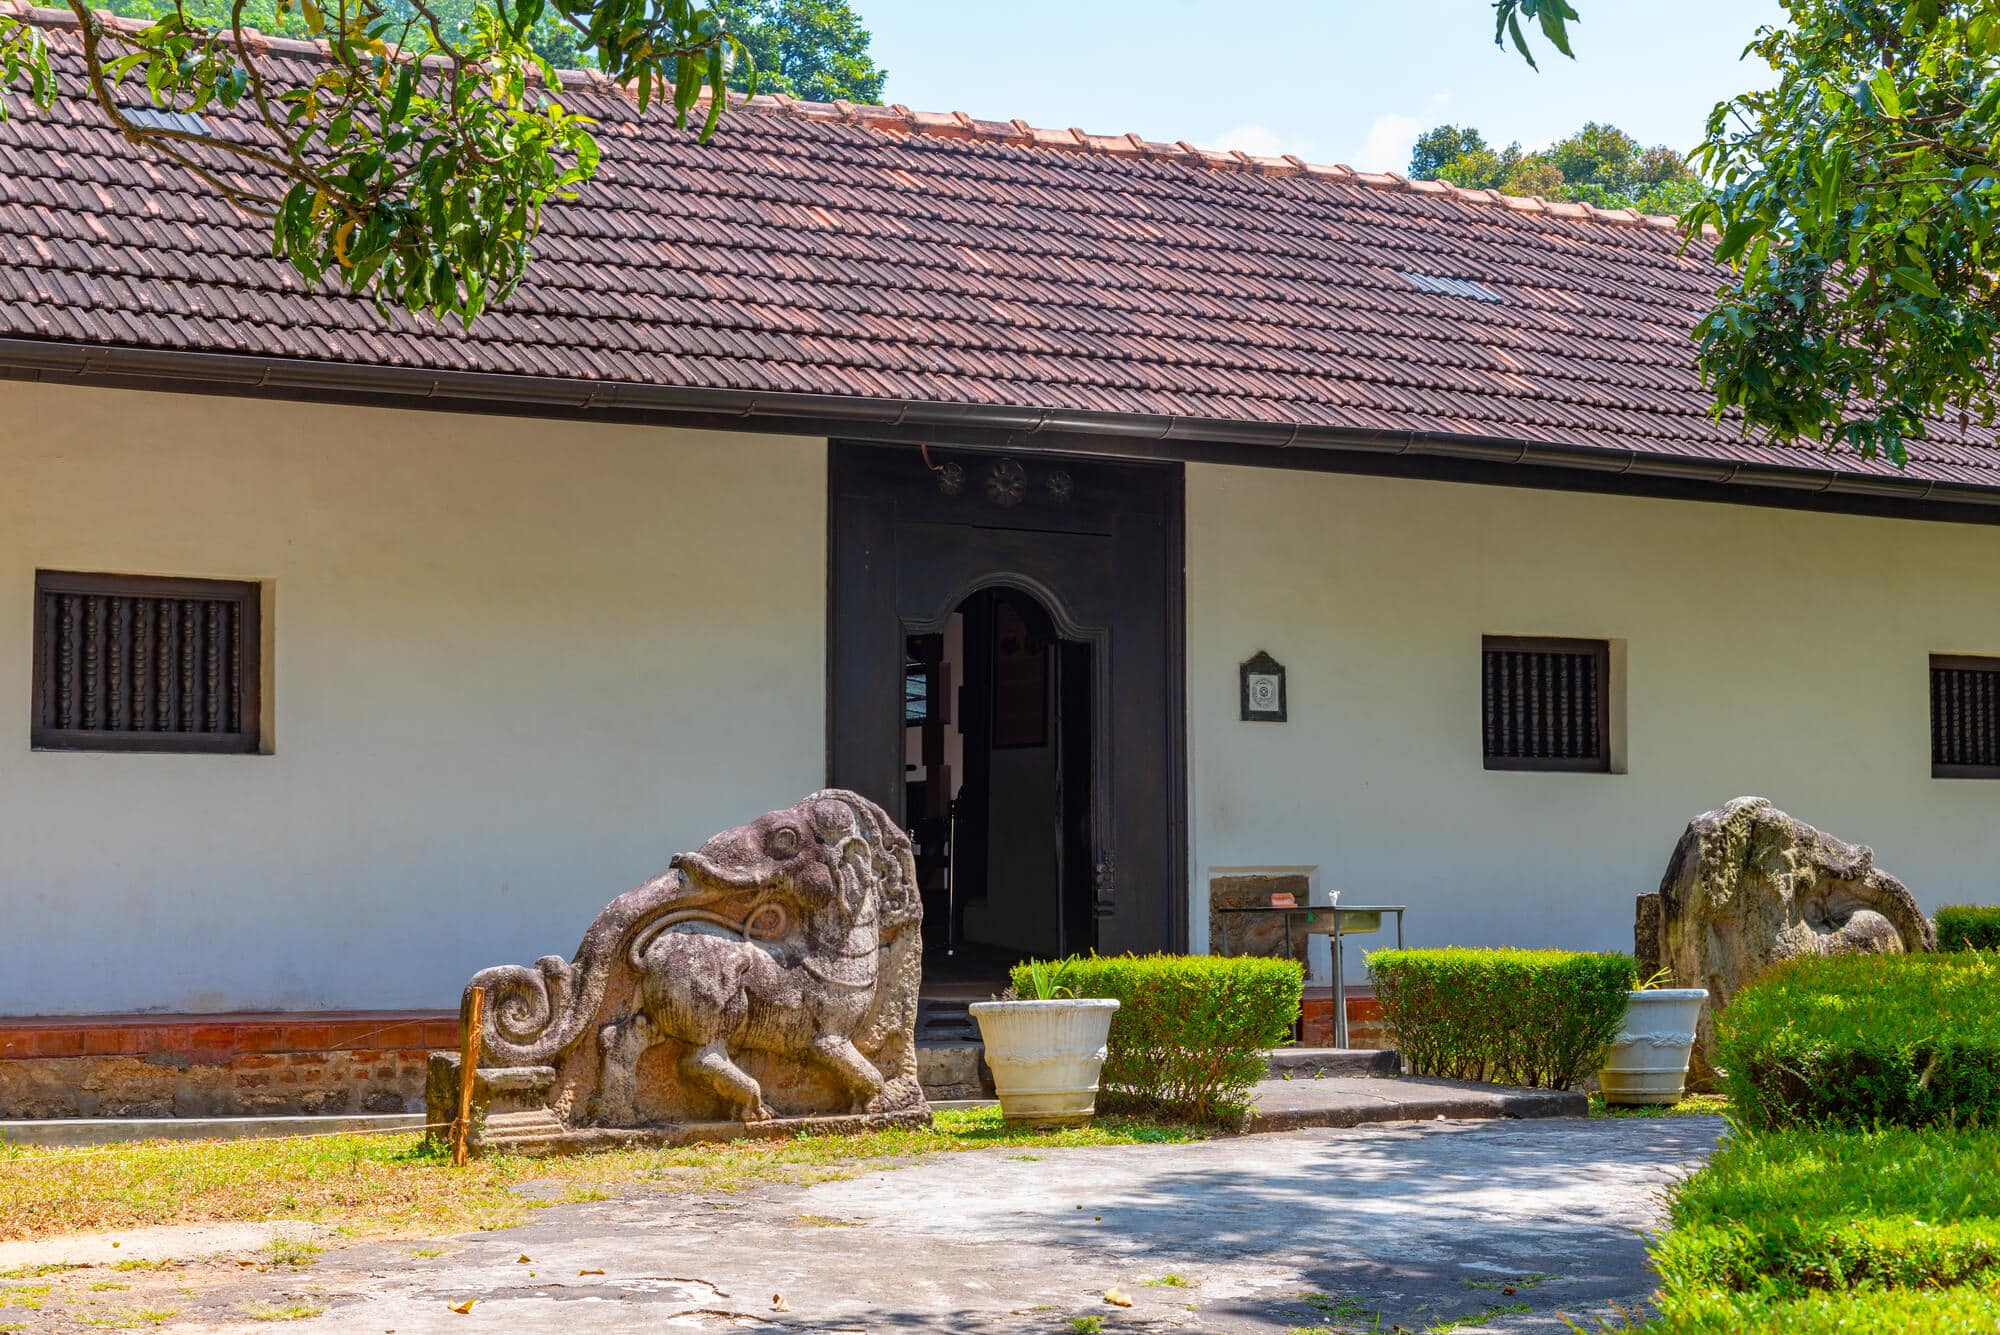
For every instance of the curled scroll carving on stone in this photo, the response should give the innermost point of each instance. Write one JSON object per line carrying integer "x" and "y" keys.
{"x": 769, "y": 976}
{"x": 1748, "y": 886}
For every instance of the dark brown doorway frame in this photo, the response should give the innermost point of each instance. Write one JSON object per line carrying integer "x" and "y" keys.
{"x": 1101, "y": 548}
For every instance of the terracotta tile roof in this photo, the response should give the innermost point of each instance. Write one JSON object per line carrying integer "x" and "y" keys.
{"x": 879, "y": 253}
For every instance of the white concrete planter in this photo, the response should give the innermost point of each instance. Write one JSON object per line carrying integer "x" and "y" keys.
{"x": 1045, "y": 1056}
{"x": 1649, "y": 1061}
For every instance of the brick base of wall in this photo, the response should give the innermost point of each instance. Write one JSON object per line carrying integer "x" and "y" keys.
{"x": 219, "y": 1065}
{"x": 1364, "y": 1019}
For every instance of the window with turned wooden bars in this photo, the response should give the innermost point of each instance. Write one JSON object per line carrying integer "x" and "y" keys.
{"x": 141, "y": 663}
{"x": 1546, "y": 704}
{"x": 1965, "y": 717}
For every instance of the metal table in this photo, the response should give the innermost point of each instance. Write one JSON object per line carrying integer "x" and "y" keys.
{"x": 1338, "y": 921}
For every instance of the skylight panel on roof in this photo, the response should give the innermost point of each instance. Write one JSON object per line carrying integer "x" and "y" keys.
{"x": 154, "y": 118}
{"x": 1452, "y": 287}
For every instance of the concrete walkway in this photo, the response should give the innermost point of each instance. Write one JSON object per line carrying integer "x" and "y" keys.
{"x": 1319, "y": 1230}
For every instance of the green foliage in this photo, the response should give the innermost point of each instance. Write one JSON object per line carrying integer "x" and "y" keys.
{"x": 1600, "y": 164}
{"x": 1044, "y": 980}
{"x": 814, "y": 49}
{"x": 1189, "y": 1037}
{"x": 1553, "y": 16}
{"x": 1966, "y": 927}
{"x": 1515, "y": 1017}
{"x": 1959, "y": 1311}
{"x": 1812, "y": 1231}
{"x": 1908, "y": 1040}
{"x": 1858, "y": 203}
{"x": 1787, "y": 1212}
{"x": 415, "y": 162}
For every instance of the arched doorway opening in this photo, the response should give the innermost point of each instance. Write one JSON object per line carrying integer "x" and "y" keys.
{"x": 997, "y": 785}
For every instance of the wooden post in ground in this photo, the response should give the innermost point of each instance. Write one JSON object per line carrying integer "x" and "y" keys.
{"x": 468, "y": 1072}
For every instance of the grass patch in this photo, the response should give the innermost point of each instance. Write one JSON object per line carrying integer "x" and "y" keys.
{"x": 1959, "y": 1311}
{"x": 1782, "y": 1214}
{"x": 294, "y": 1252}
{"x": 284, "y": 1312}
{"x": 1478, "y": 1318}
{"x": 1694, "y": 1105}
{"x": 1338, "y": 1308}
{"x": 30, "y": 1296}
{"x": 129, "y": 1318}
{"x": 1509, "y": 1286}
{"x": 1086, "y": 1325}
{"x": 371, "y": 1185}
{"x": 1173, "y": 1279}
{"x": 37, "y": 1271}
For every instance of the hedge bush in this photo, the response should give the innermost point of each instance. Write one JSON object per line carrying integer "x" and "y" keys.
{"x": 1819, "y": 1230}
{"x": 1189, "y": 1037}
{"x": 1968, "y": 927}
{"x": 1864, "y": 1040}
{"x": 1784, "y": 1213}
{"x": 1514, "y": 1017}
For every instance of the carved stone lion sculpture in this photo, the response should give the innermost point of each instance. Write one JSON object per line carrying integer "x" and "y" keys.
{"x": 1748, "y": 886}
{"x": 767, "y": 978}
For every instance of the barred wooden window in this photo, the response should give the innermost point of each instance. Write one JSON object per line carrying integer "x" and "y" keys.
{"x": 138, "y": 663}
{"x": 1546, "y": 704}
{"x": 1965, "y": 717}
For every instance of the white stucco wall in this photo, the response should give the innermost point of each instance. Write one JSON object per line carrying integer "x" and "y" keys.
{"x": 517, "y": 666}
{"x": 1767, "y": 651}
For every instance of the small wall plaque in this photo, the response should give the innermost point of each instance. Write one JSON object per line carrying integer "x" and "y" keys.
{"x": 1263, "y": 689}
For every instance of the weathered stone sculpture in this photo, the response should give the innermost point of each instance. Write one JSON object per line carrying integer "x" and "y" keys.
{"x": 767, "y": 981}
{"x": 1748, "y": 886}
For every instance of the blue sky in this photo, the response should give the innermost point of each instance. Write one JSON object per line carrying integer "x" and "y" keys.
{"x": 1330, "y": 80}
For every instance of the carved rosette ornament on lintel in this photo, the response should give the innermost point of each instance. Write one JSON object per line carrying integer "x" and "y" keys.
{"x": 1006, "y": 482}
{"x": 764, "y": 985}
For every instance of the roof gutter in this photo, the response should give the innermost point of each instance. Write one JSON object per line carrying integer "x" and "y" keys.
{"x": 40, "y": 360}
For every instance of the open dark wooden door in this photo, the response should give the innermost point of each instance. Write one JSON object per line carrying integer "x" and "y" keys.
{"x": 1098, "y": 545}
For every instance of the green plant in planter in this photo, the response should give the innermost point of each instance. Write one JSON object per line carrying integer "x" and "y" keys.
{"x": 1189, "y": 1038}
{"x": 1042, "y": 980}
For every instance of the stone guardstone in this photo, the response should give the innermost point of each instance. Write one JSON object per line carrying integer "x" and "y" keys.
{"x": 765, "y": 984}
{"x": 1749, "y": 886}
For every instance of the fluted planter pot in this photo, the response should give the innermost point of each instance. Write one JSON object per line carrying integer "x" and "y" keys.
{"x": 1046, "y": 1056}
{"x": 1649, "y": 1061}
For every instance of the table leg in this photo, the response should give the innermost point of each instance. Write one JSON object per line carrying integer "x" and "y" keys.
{"x": 1339, "y": 987}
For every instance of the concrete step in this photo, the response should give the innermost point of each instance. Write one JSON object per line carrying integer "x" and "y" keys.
{"x": 1318, "y": 1063}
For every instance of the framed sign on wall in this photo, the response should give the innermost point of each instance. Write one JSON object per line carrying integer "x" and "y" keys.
{"x": 1263, "y": 689}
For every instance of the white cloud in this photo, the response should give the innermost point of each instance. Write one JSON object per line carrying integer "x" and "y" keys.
{"x": 1261, "y": 141}
{"x": 1387, "y": 145}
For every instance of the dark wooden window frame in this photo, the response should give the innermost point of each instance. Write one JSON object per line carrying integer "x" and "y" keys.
{"x": 1961, "y": 663}
{"x": 247, "y": 598}
{"x": 1600, "y": 652}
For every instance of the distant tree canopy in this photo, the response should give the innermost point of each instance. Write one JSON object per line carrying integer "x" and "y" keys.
{"x": 814, "y": 49}
{"x": 1599, "y": 164}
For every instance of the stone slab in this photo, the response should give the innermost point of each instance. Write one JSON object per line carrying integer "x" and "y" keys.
{"x": 1340, "y": 1101}
{"x": 72, "y": 1132}
{"x": 1305, "y": 1063}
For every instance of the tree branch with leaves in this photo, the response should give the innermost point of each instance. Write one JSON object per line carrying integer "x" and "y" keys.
{"x": 1858, "y": 203}
{"x": 415, "y": 158}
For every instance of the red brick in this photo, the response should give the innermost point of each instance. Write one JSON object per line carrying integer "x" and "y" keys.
{"x": 308, "y": 1037}
{"x": 17, "y": 1043}
{"x": 59, "y": 1043}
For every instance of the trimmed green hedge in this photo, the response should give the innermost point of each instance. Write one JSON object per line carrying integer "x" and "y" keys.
{"x": 1784, "y": 1213}
{"x": 1865, "y": 1040}
{"x": 1818, "y": 1230}
{"x": 1514, "y": 1017}
{"x": 1968, "y": 927}
{"x": 1191, "y": 1031}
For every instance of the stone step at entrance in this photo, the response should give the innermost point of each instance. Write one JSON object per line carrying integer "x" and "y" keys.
{"x": 946, "y": 1020}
